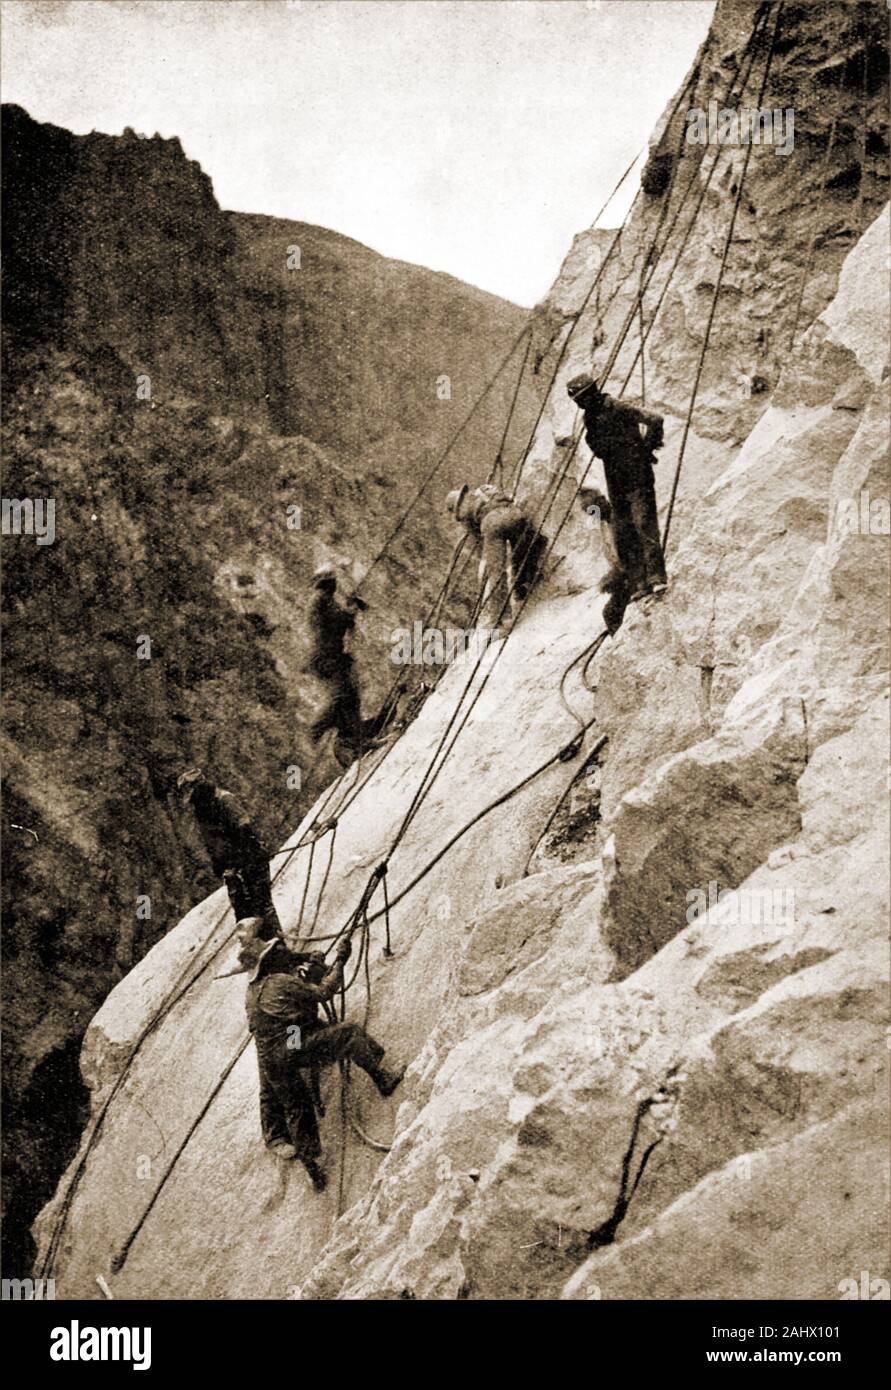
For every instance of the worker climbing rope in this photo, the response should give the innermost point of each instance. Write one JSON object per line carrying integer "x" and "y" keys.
{"x": 285, "y": 990}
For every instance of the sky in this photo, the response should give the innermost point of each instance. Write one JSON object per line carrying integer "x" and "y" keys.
{"x": 471, "y": 136}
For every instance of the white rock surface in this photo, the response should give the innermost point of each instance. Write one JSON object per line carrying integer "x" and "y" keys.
{"x": 745, "y": 775}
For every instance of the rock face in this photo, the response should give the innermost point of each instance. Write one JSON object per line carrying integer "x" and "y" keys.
{"x": 655, "y": 1065}
{"x": 185, "y": 397}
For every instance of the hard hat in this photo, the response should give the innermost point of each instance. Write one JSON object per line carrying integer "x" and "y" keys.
{"x": 455, "y": 501}
{"x": 325, "y": 574}
{"x": 581, "y": 385}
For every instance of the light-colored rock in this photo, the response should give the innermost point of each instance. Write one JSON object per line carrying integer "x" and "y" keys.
{"x": 659, "y": 1070}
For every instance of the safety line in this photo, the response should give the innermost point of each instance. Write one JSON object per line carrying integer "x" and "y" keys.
{"x": 717, "y": 289}
{"x": 431, "y": 474}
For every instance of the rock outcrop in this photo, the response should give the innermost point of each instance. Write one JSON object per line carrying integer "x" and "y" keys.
{"x": 655, "y": 1066}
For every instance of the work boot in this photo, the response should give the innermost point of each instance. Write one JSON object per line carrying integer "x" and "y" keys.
{"x": 385, "y": 1080}
{"x": 316, "y": 1175}
{"x": 282, "y": 1148}
{"x": 649, "y": 590}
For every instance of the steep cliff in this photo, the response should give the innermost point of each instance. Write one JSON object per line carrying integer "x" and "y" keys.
{"x": 184, "y": 396}
{"x": 654, "y": 1066}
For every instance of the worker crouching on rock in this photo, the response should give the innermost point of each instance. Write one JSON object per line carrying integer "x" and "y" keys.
{"x": 512, "y": 548}
{"x": 236, "y": 852}
{"x": 625, "y": 438}
{"x": 284, "y": 992}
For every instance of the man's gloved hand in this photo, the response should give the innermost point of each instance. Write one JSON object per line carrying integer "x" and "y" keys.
{"x": 344, "y": 948}
{"x": 354, "y": 601}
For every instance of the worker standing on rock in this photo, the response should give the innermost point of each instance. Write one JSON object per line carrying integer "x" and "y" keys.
{"x": 236, "y": 852}
{"x": 625, "y": 438}
{"x": 512, "y": 548}
{"x": 616, "y": 581}
{"x": 330, "y": 623}
{"x": 285, "y": 990}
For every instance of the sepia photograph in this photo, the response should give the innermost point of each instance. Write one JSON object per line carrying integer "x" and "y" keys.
{"x": 445, "y": 705}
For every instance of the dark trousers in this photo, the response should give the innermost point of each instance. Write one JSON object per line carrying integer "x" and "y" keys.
{"x": 635, "y": 522}
{"x": 289, "y": 1115}
{"x": 512, "y": 558}
{"x": 250, "y": 893}
{"x": 341, "y": 708}
{"x": 615, "y": 583}
{"x": 286, "y": 1100}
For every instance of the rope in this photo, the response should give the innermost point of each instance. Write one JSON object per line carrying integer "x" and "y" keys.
{"x": 749, "y": 54}
{"x": 425, "y": 786}
{"x": 387, "y": 950}
{"x": 429, "y": 621}
{"x": 431, "y": 474}
{"x": 652, "y": 258}
{"x": 596, "y": 645}
{"x": 184, "y": 982}
{"x": 563, "y": 795}
{"x": 341, "y": 1168}
{"x": 717, "y": 290}
{"x": 589, "y": 652}
{"x": 576, "y": 318}
{"x": 312, "y": 850}
{"x": 119, "y": 1259}
{"x": 480, "y": 815}
{"x": 430, "y": 774}
{"x": 585, "y": 302}
{"x": 497, "y": 469}
{"x": 318, "y": 907}
{"x": 809, "y": 259}
{"x": 357, "y": 1129}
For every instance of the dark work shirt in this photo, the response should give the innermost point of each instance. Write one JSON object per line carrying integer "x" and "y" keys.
{"x": 276, "y": 1001}
{"x": 624, "y": 437}
{"x": 329, "y": 624}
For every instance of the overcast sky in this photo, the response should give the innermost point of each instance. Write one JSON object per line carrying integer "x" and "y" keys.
{"x": 475, "y": 138}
